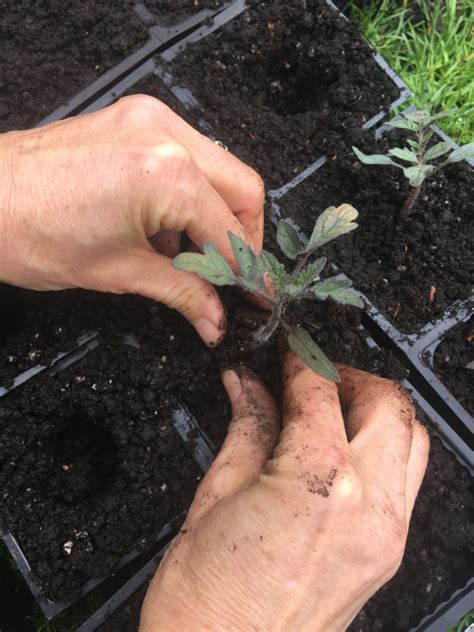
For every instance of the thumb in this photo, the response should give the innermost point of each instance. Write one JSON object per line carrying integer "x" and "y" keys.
{"x": 251, "y": 438}
{"x": 151, "y": 274}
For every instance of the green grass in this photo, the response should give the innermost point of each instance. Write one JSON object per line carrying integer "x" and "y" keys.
{"x": 430, "y": 44}
{"x": 464, "y": 623}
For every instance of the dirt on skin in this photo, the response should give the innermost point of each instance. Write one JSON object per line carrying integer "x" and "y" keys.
{"x": 280, "y": 77}
{"x": 450, "y": 363}
{"x": 411, "y": 270}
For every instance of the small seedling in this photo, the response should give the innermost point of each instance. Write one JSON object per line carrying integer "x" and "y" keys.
{"x": 418, "y": 156}
{"x": 265, "y": 276}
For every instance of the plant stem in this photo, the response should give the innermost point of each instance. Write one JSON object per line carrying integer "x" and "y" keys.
{"x": 409, "y": 202}
{"x": 265, "y": 332}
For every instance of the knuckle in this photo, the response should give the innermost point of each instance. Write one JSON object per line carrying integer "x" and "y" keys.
{"x": 137, "y": 109}
{"x": 168, "y": 159}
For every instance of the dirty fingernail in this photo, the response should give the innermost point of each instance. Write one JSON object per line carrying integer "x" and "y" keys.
{"x": 232, "y": 384}
{"x": 208, "y": 331}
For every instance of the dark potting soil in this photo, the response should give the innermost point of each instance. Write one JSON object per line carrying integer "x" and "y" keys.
{"x": 91, "y": 466}
{"x": 450, "y": 362}
{"x": 52, "y": 49}
{"x": 280, "y": 77}
{"x": 412, "y": 270}
{"x": 171, "y": 12}
{"x": 36, "y": 326}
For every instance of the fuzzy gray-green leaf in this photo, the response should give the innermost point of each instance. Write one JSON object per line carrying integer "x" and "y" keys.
{"x": 347, "y": 296}
{"x": 466, "y": 151}
{"x": 310, "y": 272}
{"x": 417, "y": 174}
{"x": 332, "y": 223}
{"x": 276, "y": 270}
{"x": 288, "y": 239}
{"x": 437, "y": 150}
{"x": 470, "y": 366}
{"x": 403, "y": 154}
{"x": 210, "y": 266}
{"x": 307, "y": 350}
{"x": 403, "y": 124}
{"x": 247, "y": 262}
{"x": 373, "y": 159}
{"x": 326, "y": 288}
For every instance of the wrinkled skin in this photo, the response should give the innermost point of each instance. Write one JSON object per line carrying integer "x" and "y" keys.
{"x": 295, "y": 528}
{"x": 80, "y": 199}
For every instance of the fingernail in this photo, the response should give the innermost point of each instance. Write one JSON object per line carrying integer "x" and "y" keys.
{"x": 209, "y": 332}
{"x": 232, "y": 384}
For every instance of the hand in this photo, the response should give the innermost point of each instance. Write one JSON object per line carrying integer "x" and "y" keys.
{"x": 80, "y": 198}
{"x": 295, "y": 530}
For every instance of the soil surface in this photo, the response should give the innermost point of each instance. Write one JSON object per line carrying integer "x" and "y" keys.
{"x": 171, "y": 11}
{"x": 411, "y": 270}
{"x": 91, "y": 466}
{"x": 54, "y": 48}
{"x": 279, "y": 78}
{"x": 451, "y": 359}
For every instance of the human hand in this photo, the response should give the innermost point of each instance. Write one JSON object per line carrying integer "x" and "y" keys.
{"x": 80, "y": 198}
{"x": 295, "y": 530}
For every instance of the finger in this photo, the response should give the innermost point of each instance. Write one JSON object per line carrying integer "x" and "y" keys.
{"x": 313, "y": 427}
{"x": 379, "y": 422}
{"x": 238, "y": 184}
{"x": 151, "y": 274}
{"x": 417, "y": 462}
{"x": 250, "y": 440}
{"x": 178, "y": 197}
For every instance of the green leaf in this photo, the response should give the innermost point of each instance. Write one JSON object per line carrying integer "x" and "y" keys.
{"x": 210, "y": 266}
{"x": 247, "y": 262}
{"x": 372, "y": 159}
{"x": 417, "y": 174}
{"x": 470, "y": 366}
{"x": 466, "y": 151}
{"x": 288, "y": 239}
{"x": 326, "y": 288}
{"x": 404, "y": 154}
{"x": 332, "y": 223}
{"x": 339, "y": 290}
{"x": 311, "y": 272}
{"x": 403, "y": 124}
{"x": 421, "y": 117}
{"x": 437, "y": 150}
{"x": 276, "y": 270}
{"x": 413, "y": 144}
{"x": 307, "y": 350}
{"x": 441, "y": 115}
{"x": 347, "y": 297}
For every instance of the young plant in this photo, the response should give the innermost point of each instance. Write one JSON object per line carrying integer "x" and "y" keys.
{"x": 265, "y": 276}
{"x": 418, "y": 156}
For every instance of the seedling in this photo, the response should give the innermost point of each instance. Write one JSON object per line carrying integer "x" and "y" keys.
{"x": 418, "y": 156}
{"x": 265, "y": 276}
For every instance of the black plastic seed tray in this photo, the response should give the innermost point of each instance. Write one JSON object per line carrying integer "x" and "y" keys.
{"x": 160, "y": 37}
{"x": 197, "y": 444}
